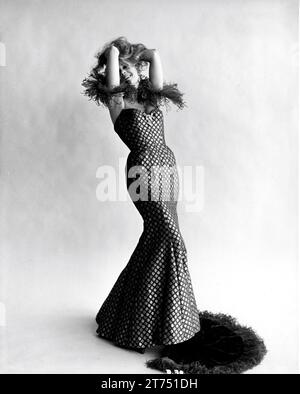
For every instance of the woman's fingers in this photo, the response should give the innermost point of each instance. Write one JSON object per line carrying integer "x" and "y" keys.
{"x": 147, "y": 55}
{"x": 111, "y": 48}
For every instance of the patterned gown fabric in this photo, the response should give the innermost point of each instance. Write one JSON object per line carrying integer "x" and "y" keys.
{"x": 152, "y": 302}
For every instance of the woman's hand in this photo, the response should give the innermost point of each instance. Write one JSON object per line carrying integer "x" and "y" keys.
{"x": 111, "y": 49}
{"x": 146, "y": 55}
{"x": 114, "y": 48}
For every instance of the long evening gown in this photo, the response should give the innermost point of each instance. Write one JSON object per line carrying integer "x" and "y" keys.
{"x": 152, "y": 302}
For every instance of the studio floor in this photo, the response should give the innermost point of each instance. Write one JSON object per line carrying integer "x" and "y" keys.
{"x": 61, "y": 338}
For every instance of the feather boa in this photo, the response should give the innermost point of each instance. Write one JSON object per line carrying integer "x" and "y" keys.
{"x": 96, "y": 89}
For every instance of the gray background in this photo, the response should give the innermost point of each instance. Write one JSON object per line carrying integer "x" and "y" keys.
{"x": 62, "y": 249}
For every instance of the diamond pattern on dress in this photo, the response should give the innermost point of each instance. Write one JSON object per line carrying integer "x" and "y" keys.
{"x": 152, "y": 301}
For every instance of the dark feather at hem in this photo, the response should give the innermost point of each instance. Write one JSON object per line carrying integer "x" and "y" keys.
{"x": 96, "y": 90}
{"x": 222, "y": 346}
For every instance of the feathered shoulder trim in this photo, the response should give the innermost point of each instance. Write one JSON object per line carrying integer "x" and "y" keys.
{"x": 96, "y": 89}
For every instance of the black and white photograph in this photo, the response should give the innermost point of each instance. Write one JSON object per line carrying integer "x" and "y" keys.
{"x": 149, "y": 187}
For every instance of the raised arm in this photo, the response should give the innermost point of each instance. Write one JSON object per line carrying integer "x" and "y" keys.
{"x": 112, "y": 67}
{"x": 116, "y": 103}
{"x": 155, "y": 69}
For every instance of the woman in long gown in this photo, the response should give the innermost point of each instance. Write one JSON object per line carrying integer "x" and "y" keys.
{"x": 152, "y": 302}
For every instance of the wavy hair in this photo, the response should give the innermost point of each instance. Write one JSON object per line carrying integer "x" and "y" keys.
{"x": 128, "y": 52}
{"x": 96, "y": 88}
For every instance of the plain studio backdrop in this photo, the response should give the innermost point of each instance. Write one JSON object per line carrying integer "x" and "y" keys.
{"x": 62, "y": 249}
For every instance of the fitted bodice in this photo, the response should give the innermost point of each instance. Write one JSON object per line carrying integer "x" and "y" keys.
{"x": 139, "y": 130}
